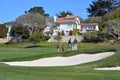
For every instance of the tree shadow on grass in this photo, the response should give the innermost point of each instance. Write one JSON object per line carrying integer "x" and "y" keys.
{"x": 37, "y": 46}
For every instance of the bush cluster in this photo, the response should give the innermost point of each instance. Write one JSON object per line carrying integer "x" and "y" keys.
{"x": 3, "y": 31}
{"x": 92, "y": 36}
{"x": 38, "y": 37}
{"x": 20, "y": 31}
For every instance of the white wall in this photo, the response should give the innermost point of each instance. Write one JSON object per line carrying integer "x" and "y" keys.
{"x": 97, "y": 28}
{"x": 85, "y": 28}
{"x": 65, "y": 27}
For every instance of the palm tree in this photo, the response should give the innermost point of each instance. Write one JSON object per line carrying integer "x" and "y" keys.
{"x": 64, "y": 14}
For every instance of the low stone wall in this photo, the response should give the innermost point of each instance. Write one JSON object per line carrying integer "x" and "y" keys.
{"x": 4, "y": 40}
{"x": 66, "y": 38}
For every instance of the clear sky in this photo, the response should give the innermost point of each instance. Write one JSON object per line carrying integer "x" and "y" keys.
{"x": 11, "y": 9}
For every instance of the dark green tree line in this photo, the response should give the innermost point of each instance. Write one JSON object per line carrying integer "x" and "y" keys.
{"x": 64, "y": 14}
{"x": 38, "y": 10}
{"x": 101, "y": 7}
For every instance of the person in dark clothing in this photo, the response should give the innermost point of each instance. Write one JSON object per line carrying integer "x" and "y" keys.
{"x": 58, "y": 47}
{"x": 75, "y": 44}
{"x": 69, "y": 44}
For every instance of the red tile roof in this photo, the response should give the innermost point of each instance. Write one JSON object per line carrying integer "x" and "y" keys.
{"x": 71, "y": 17}
{"x": 59, "y": 20}
{"x": 66, "y": 19}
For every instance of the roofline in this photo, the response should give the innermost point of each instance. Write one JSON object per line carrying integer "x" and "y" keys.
{"x": 89, "y": 23}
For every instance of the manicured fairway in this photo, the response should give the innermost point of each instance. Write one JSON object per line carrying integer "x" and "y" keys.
{"x": 13, "y": 53}
{"x": 55, "y": 73}
{"x": 78, "y": 72}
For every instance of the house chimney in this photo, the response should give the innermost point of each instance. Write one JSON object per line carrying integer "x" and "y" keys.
{"x": 55, "y": 18}
{"x": 68, "y": 15}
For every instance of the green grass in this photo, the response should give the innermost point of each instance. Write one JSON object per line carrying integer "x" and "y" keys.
{"x": 86, "y": 71}
{"x": 9, "y": 54}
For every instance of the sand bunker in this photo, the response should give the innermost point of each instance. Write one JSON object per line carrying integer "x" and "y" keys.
{"x": 109, "y": 68}
{"x": 63, "y": 61}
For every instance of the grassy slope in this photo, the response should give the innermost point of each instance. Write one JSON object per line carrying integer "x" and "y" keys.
{"x": 7, "y": 54}
{"x": 78, "y": 72}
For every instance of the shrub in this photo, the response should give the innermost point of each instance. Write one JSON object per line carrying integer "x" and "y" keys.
{"x": 71, "y": 33}
{"x": 62, "y": 33}
{"x": 111, "y": 30}
{"x": 58, "y": 37}
{"x": 35, "y": 37}
{"x": 3, "y": 31}
{"x": 106, "y": 37}
{"x": 38, "y": 37}
{"x": 75, "y": 31}
{"x": 26, "y": 34}
{"x": 20, "y": 31}
{"x": 45, "y": 38}
{"x": 91, "y": 36}
{"x": 17, "y": 31}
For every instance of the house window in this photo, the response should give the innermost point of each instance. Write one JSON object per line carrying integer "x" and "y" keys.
{"x": 89, "y": 27}
{"x": 58, "y": 26}
{"x": 67, "y": 33}
{"x": 69, "y": 25}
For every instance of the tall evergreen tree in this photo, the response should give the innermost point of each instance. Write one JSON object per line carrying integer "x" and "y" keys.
{"x": 99, "y": 7}
{"x": 38, "y": 10}
{"x": 116, "y": 2}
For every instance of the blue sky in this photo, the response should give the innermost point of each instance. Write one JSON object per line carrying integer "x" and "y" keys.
{"x": 11, "y": 9}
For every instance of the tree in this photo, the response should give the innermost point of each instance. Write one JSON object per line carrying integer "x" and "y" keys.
{"x": 38, "y": 10}
{"x": 110, "y": 25}
{"x": 75, "y": 30}
{"x": 91, "y": 36}
{"x": 64, "y": 14}
{"x": 112, "y": 28}
{"x": 33, "y": 22}
{"x": 97, "y": 19}
{"x": 3, "y": 31}
{"x": 37, "y": 37}
{"x": 116, "y": 2}
{"x": 100, "y": 7}
{"x": 58, "y": 37}
{"x": 110, "y": 16}
{"x": 114, "y": 13}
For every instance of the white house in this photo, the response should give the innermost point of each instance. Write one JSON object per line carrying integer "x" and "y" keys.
{"x": 48, "y": 30}
{"x": 66, "y": 24}
{"x": 85, "y": 27}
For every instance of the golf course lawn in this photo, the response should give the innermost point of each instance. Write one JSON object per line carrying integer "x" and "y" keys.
{"x": 78, "y": 72}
